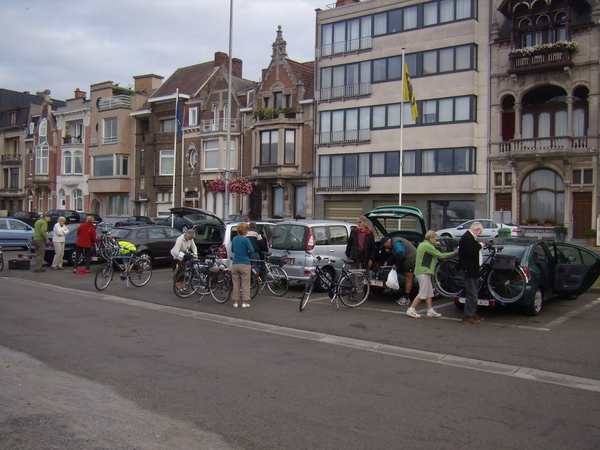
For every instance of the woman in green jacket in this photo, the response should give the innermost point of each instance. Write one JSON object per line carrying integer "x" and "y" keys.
{"x": 427, "y": 256}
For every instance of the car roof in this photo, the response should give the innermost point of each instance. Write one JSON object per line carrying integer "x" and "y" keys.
{"x": 314, "y": 222}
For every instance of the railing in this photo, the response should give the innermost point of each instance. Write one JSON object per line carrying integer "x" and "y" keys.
{"x": 558, "y": 144}
{"x": 218, "y": 125}
{"x": 339, "y": 48}
{"x": 12, "y": 159}
{"x": 343, "y": 137}
{"x": 349, "y": 182}
{"x": 11, "y": 192}
{"x": 72, "y": 140}
{"x": 353, "y": 90}
{"x": 540, "y": 60}
{"x": 114, "y": 102}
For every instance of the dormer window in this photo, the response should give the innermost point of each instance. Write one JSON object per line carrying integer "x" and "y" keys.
{"x": 539, "y": 24}
{"x": 12, "y": 118}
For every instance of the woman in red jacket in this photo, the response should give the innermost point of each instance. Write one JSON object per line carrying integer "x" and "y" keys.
{"x": 86, "y": 236}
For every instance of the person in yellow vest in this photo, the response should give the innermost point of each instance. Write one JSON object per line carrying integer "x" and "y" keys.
{"x": 126, "y": 249}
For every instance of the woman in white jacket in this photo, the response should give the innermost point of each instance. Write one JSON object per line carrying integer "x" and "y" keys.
{"x": 58, "y": 239}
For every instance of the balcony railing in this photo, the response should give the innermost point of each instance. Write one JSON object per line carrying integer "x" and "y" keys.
{"x": 72, "y": 140}
{"x": 214, "y": 125}
{"x": 343, "y": 183}
{"x": 353, "y": 90}
{"x": 559, "y": 144}
{"x": 540, "y": 60}
{"x": 339, "y": 48}
{"x": 344, "y": 137}
{"x": 12, "y": 160}
{"x": 114, "y": 102}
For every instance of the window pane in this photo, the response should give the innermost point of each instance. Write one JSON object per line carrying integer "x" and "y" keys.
{"x": 300, "y": 201}
{"x": 463, "y": 9}
{"x": 378, "y": 163}
{"x": 290, "y": 150}
{"x": 446, "y": 110}
{"x": 462, "y": 108}
{"x": 560, "y": 123}
{"x": 211, "y": 154}
{"x": 392, "y": 166}
{"x": 446, "y": 10}
{"x": 393, "y": 118}
{"x": 351, "y": 125}
{"x": 167, "y": 126}
{"x": 78, "y": 163}
{"x": 380, "y": 26}
{"x": 444, "y": 161}
{"x": 378, "y": 116}
{"x": 429, "y": 62}
{"x": 166, "y": 162}
{"x": 395, "y": 21}
{"x": 527, "y": 126}
{"x": 430, "y": 13}
{"x": 463, "y": 57}
{"x": 410, "y": 17}
{"x": 67, "y": 166}
{"x": 462, "y": 160}
{"x": 447, "y": 60}
{"x": 395, "y": 68}
{"x": 353, "y": 34}
{"x": 339, "y": 37}
{"x": 103, "y": 166}
{"x": 408, "y": 164}
{"x": 379, "y": 70}
{"x": 428, "y": 161}
{"x": 544, "y": 124}
{"x": 579, "y": 122}
{"x": 429, "y": 111}
{"x": 326, "y": 39}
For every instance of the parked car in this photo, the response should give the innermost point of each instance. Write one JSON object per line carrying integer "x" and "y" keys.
{"x": 14, "y": 232}
{"x": 25, "y": 215}
{"x": 155, "y": 241}
{"x": 491, "y": 229}
{"x": 134, "y": 221}
{"x": 83, "y": 217}
{"x": 299, "y": 241}
{"x": 70, "y": 240}
{"x": 70, "y": 215}
{"x": 552, "y": 268}
{"x": 184, "y": 218}
{"x": 238, "y": 218}
{"x": 225, "y": 254}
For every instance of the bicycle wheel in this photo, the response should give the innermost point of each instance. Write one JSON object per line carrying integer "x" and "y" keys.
{"x": 140, "y": 271}
{"x": 254, "y": 285}
{"x": 109, "y": 248}
{"x": 181, "y": 283}
{"x": 306, "y": 294}
{"x": 277, "y": 281}
{"x": 221, "y": 289}
{"x": 354, "y": 289}
{"x": 1, "y": 262}
{"x": 104, "y": 276}
{"x": 200, "y": 279}
{"x": 447, "y": 278}
{"x": 507, "y": 286}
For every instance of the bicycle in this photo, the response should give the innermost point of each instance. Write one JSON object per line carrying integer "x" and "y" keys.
{"x": 1, "y": 260}
{"x": 108, "y": 247}
{"x": 501, "y": 275}
{"x": 197, "y": 277}
{"x": 352, "y": 289}
{"x": 138, "y": 273}
{"x": 275, "y": 277}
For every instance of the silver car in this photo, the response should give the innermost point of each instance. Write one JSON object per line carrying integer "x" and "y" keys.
{"x": 491, "y": 230}
{"x": 301, "y": 240}
{"x": 14, "y": 233}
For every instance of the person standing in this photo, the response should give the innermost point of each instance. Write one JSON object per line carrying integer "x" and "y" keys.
{"x": 427, "y": 256}
{"x": 259, "y": 244}
{"x": 86, "y": 236}
{"x": 60, "y": 231}
{"x": 241, "y": 270}
{"x": 361, "y": 246}
{"x": 40, "y": 239}
{"x": 469, "y": 261}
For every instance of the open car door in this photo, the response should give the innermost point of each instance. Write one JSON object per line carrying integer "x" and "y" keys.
{"x": 576, "y": 269}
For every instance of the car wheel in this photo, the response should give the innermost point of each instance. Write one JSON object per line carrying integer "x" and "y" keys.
{"x": 535, "y": 307}
{"x": 70, "y": 257}
{"x": 147, "y": 256}
{"x": 318, "y": 284}
{"x": 184, "y": 228}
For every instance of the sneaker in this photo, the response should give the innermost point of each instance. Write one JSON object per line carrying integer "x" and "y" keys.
{"x": 433, "y": 313}
{"x": 412, "y": 313}
{"x": 245, "y": 305}
{"x": 235, "y": 305}
{"x": 403, "y": 301}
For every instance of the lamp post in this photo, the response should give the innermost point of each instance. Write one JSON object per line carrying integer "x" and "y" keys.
{"x": 228, "y": 140}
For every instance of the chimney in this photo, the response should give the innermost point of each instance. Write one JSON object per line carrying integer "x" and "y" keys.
{"x": 80, "y": 94}
{"x": 237, "y": 67}
{"x": 221, "y": 59}
{"x": 345, "y": 2}
{"x": 147, "y": 83}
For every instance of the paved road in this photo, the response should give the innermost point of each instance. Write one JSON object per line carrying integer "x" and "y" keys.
{"x": 162, "y": 372}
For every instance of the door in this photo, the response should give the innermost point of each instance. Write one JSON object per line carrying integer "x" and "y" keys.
{"x": 504, "y": 202}
{"x": 582, "y": 213}
{"x": 576, "y": 269}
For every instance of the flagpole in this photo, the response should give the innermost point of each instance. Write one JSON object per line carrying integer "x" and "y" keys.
{"x": 174, "y": 154}
{"x": 182, "y": 165}
{"x": 401, "y": 129}
{"x": 228, "y": 139}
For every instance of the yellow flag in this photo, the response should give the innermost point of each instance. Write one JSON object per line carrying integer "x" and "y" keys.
{"x": 409, "y": 94}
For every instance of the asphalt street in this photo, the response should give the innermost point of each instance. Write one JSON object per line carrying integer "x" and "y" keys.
{"x": 141, "y": 368}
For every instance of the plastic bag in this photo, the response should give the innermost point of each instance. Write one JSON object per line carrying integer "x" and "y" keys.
{"x": 392, "y": 280}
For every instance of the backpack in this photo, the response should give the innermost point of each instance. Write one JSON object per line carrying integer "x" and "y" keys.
{"x": 125, "y": 248}
{"x": 399, "y": 249}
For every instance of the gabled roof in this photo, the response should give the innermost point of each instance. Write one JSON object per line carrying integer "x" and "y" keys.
{"x": 305, "y": 72}
{"x": 188, "y": 79}
{"x": 20, "y": 101}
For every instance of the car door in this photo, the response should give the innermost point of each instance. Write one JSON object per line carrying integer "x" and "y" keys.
{"x": 160, "y": 243}
{"x": 19, "y": 232}
{"x": 576, "y": 269}
{"x": 338, "y": 240}
{"x": 490, "y": 229}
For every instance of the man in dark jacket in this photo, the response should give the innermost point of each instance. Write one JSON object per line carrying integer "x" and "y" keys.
{"x": 469, "y": 260}
{"x": 361, "y": 246}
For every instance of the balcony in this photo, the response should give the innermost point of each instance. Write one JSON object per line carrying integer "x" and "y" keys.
{"x": 548, "y": 146}
{"x": 216, "y": 125}
{"x": 342, "y": 47}
{"x": 350, "y": 91}
{"x": 72, "y": 140}
{"x": 539, "y": 60}
{"x": 344, "y": 183}
{"x": 12, "y": 192}
{"x": 344, "y": 137}
{"x": 11, "y": 160}
{"x": 114, "y": 102}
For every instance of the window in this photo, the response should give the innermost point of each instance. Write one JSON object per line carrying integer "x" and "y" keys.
{"x": 300, "y": 204}
{"x": 12, "y": 118}
{"x": 277, "y": 201}
{"x": 583, "y": 176}
{"x": 103, "y": 166}
{"x": 42, "y": 152}
{"x": 278, "y": 97}
{"x": 77, "y": 200}
{"x": 68, "y": 163}
{"x": 110, "y": 135}
{"x": 117, "y": 205}
{"x": 142, "y": 163}
{"x": 62, "y": 198}
{"x": 268, "y": 147}
{"x": 351, "y": 125}
{"x": 543, "y": 196}
{"x": 73, "y": 162}
{"x": 193, "y": 158}
{"x": 122, "y": 165}
{"x": 167, "y": 126}
{"x": 193, "y": 117}
{"x": 446, "y": 214}
{"x": 290, "y": 147}
{"x": 211, "y": 155}
{"x": 78, "y": 162}
{"x": 439, "y": 161}
{"x": 344, "y": 171}
{"x": 166, "y": 164}
{"x": 385, "y": 164}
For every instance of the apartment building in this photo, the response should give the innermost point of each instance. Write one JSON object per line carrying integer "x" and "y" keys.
{"x": 544, "y": 87}
{"x": 278, "y": 154}
{"x": 366, "y": 134}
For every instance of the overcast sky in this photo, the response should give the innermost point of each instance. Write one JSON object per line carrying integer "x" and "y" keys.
{"x": 66, "y": 44}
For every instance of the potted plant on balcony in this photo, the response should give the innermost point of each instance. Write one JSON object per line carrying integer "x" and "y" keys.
{"x": 549, "y": 222}
{"x": 590, "y": 235}
{"x": 217, "y": 185}
{"x": 67, "y": 138}
{"x": 533, "y": 221}
{"x": 240, "y": 186}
